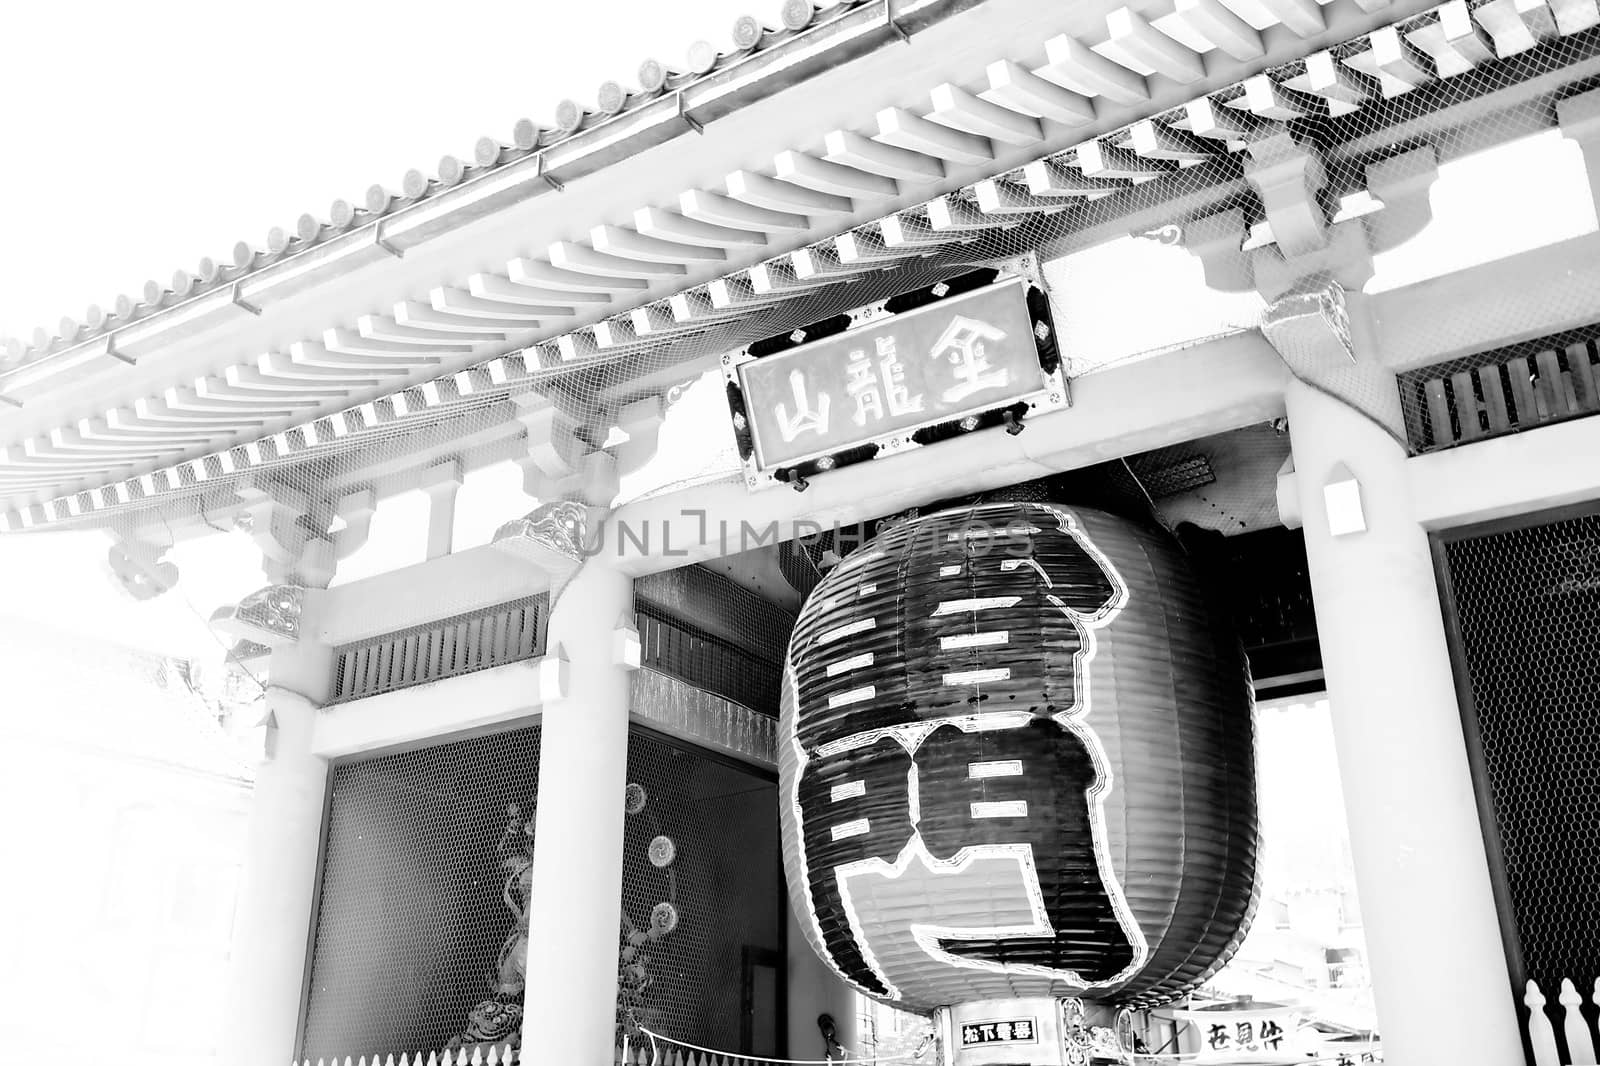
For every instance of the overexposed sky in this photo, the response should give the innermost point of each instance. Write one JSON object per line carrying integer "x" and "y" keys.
{"x": 137, "y": 138}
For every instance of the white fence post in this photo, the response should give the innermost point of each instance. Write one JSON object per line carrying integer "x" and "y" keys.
{"x": 1580, "y": 1045}
{"x": 1540, "y": 1033}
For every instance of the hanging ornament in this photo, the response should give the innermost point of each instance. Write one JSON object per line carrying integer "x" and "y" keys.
{"x": 662, "y": 852}
{"x": 634, "y": 798}
{"x": 663, "y": 918}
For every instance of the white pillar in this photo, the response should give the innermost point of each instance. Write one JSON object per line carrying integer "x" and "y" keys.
{"x": 278, "y": 882}
{"x": 570, "y": 1008}
{"x": 1433, "y": 941}
{"x": 813, "y": 990}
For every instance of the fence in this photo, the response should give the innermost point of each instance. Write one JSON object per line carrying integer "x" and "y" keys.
{"x": 478, "y": 640}
{"x": 1564, "y": 1016}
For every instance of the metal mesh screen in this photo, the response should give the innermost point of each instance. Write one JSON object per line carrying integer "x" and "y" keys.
{"x": 702, "y": 899}
{"x": 420, "y": 861}
{"x": 1526, "y": 630}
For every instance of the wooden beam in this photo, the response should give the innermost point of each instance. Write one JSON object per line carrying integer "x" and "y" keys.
{"x": 903, "y": 129}
{"x": 875, "y": 157}
{"x": 799, "y": 168}
{"x": 1018, "y": 88}
{"x": 953, "y": 106}
{"x": 1074, "y": 66}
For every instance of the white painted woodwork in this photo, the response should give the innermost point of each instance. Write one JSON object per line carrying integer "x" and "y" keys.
{"x": 562, "y": 283}
{"x": 1098, "y": 159}
{"x": 722, "y": 210}
{"x": 577, "y": 874}
{"x": 807, "y": 171}
{"x": 672, "y": 226}
{"x": 1303, "y": 17}
{"x": 1050, "y": 177}
{"x": 524, "y": 307}
{"x": 1157, "y": 140}
{"x": 1133, "y": 35}
{"x": 1433, "y": 936}
{"x": 1020, "y": 89}
{"x": 575, "y": 258}
{"x": 877, "y": 157}
{"x": 1007, "y": 198}
{"x": 777, "y": 195}
{"x": 1464, "y": 37}
{"x": 953, "y": 106}
{"x": 422, "y": 316}
{"x": 1217, "y": 23}
{"x": 1074, "y": 66}
{"x": 384, "y": 328}
{"x": 631, "y": 244}
{"x": 905, "y": 129}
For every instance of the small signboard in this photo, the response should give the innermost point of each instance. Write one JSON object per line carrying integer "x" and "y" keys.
{"x": 1265, "y": 1034}
{"x": 1010, "y": 1031}
{"x": 891, "y": 375}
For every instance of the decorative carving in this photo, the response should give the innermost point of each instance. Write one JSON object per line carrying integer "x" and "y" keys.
{"x": 560, "y": 527}
{"x": 498, "y": 1019}
{"x": 1169, "y": 234}
{"x": 269, "y": 616}
{"x": 1310, "y": 326}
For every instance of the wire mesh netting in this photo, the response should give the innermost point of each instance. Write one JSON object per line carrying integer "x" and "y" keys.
{"x": 702, "y": 898}
{"x": 1527, "y": 609}
{"x": 424, "y": 889}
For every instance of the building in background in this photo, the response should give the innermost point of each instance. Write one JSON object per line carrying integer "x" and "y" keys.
{"x": 1312, "y": 287}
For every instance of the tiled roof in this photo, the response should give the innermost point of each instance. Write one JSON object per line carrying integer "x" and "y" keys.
{"x": 654, "y": 79}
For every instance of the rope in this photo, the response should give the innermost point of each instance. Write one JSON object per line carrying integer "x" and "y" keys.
{"x": 761, "y": 1058}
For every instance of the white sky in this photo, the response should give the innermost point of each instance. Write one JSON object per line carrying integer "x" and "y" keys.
{"x": 137, "y": 138}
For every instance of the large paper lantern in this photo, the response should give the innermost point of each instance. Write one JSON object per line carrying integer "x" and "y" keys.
{"x": 1017, "y": 761}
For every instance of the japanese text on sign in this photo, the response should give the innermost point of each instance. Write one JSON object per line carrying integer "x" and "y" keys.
{"x": 970, "y": 353}
{"x": 1015, "y": 1031}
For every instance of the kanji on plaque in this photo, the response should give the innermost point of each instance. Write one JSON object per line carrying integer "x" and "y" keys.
{"x": 806, "y": 417}
{"x": 1017, "y": 1031}
{"x": 938, "y": 363}
{"x": 965, "y": 345}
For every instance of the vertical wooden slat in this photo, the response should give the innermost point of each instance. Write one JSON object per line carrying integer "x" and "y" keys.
{"x": 1583, "y": 382}
{"x": 363, "y": 658}
{"x": 1494, "y": 398}
{"x": 385, "y": 666}
{"x": 1522, "y": 392}
{"x": 1439, "y": 413}
{"x": 1467, "y": 405}
{"x": 1553, "y": 392}
{"x": 447, "y": 651}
